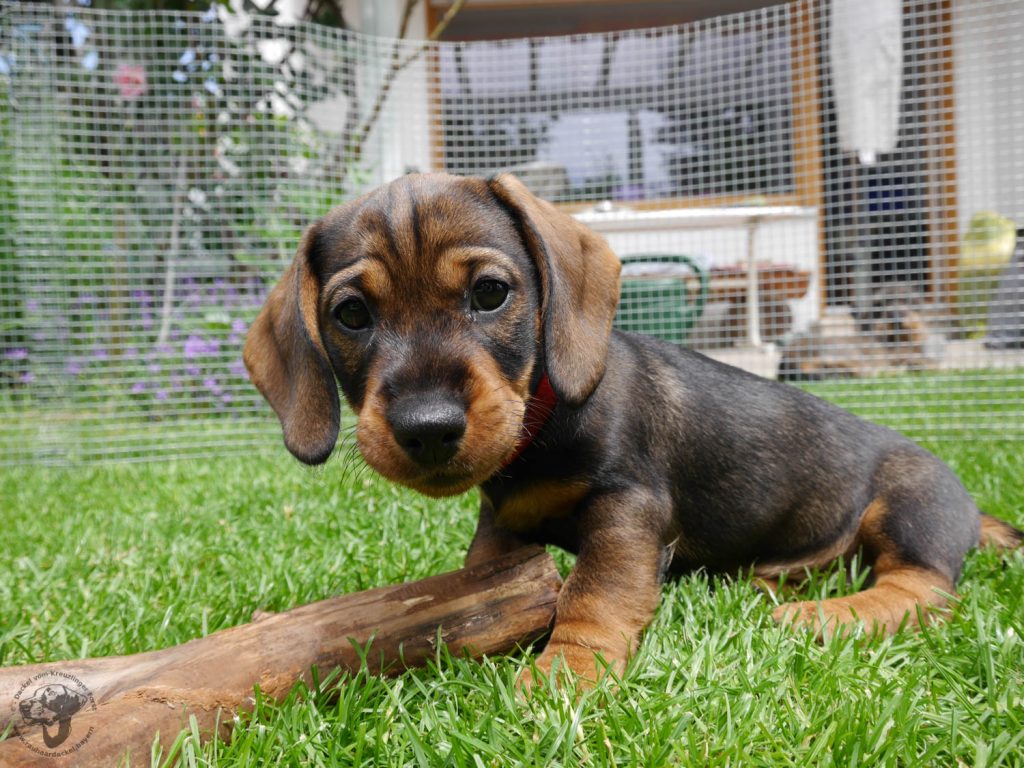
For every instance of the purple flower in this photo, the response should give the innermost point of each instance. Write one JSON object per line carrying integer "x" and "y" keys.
{"x": 192, "y": 370}
{"x": 16, "y": 354}
{"x": 154, "y": 368}
{"x": 238, "y": 325}
{"x": 237, "y": 367}
{"x": 194, "y": 347}
{"x": 32, "y": 305}
{"x": 138, "y": 387}
{"x": 161, "y": 394}
{"x": 100, "y": 353}
{"x": 27, "y": 377}
{"x": 73, "y": 367}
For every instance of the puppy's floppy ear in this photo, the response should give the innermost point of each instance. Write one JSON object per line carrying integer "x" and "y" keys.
{"x": 288, "y": 363}
{"x": 579, "y": 276}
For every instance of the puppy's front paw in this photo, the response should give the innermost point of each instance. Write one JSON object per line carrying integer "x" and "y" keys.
{"x": 823, "y": 619}
{"x": 585, "y": 665}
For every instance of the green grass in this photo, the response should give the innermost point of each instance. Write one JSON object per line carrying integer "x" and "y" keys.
{"x": 128, "y": 558}
{"x": 959, "y": 405}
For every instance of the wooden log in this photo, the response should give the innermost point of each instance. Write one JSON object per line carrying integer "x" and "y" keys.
{"x": 92, "y": 712}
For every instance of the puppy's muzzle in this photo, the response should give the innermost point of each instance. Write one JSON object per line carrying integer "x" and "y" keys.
{"x": 428, "y": 427}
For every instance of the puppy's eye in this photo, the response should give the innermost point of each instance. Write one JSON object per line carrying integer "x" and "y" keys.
{"x": 353, "y": 314}
{"x": 488, "y": 295}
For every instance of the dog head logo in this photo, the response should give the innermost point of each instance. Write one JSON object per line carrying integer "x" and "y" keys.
{"x": 52, "y": 705}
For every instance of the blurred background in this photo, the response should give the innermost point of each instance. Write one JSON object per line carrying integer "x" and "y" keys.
{"x": 823, "y": 191}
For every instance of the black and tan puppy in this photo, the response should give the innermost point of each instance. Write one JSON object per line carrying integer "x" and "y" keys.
{"x": 468, "y": 324}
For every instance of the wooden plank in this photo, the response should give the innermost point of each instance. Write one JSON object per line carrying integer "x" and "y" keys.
{"x": 943, "y": 221}
{"x": 806, "y": 124}
{"x": 435, "y": 112}
{"x": 751, "y": 199}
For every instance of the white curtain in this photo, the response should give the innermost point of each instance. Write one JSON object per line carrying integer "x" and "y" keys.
{"x": 867, "y": 67}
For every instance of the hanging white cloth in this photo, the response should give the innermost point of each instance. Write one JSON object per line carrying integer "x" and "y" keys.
{"x": 866, "y": 54}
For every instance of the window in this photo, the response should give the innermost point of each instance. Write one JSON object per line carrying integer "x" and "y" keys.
{"x": 697, "y": 109}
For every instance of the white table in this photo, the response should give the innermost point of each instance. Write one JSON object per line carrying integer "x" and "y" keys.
{"x": 610, "y": 221}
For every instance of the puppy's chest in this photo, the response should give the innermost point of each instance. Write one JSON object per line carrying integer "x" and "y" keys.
{"x": 529, "y": 508}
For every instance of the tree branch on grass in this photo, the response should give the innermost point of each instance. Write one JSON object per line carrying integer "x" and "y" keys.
{"x": 91, "y": 712}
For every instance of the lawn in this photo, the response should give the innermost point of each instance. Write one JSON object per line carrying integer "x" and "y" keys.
{"x": 126, "y": 558}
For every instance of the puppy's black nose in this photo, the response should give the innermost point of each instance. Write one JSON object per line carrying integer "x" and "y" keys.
{"x": 428, "y": 427}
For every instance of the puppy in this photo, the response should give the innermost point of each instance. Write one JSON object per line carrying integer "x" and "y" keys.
{"x": 469, "y": 326}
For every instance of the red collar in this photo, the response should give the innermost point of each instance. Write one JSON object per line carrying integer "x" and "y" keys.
{"x": 538, "y": 411}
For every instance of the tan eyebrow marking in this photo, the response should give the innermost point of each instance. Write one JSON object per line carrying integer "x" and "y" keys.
{"x": 370, "y": 273}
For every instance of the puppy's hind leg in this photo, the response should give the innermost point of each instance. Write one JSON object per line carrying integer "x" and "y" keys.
{"x": 915, "y": 535}
{"x": 998, "y": 534}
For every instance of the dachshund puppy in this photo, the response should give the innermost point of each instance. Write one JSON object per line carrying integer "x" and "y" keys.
{"x": 469, "y": 326}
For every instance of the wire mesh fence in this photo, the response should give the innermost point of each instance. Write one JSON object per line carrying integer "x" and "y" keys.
{"x": 808, "y": 191}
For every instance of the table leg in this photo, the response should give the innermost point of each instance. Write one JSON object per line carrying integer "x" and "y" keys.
{"x": 753, "y": 301}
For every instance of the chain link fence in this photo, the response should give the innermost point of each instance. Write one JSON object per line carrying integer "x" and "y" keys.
{"x": 810, "y": 192}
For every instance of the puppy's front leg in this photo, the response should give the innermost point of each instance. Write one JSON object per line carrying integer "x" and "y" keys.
{"x": 490, "y": 541}
{"x": 611, "y": 594}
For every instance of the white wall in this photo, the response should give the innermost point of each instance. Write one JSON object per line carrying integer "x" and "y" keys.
{"x": 402, "y": 140}
{"x": 989, "y": 87}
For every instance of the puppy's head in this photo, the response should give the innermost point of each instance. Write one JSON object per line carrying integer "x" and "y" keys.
{"x": 435, "y": 302}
